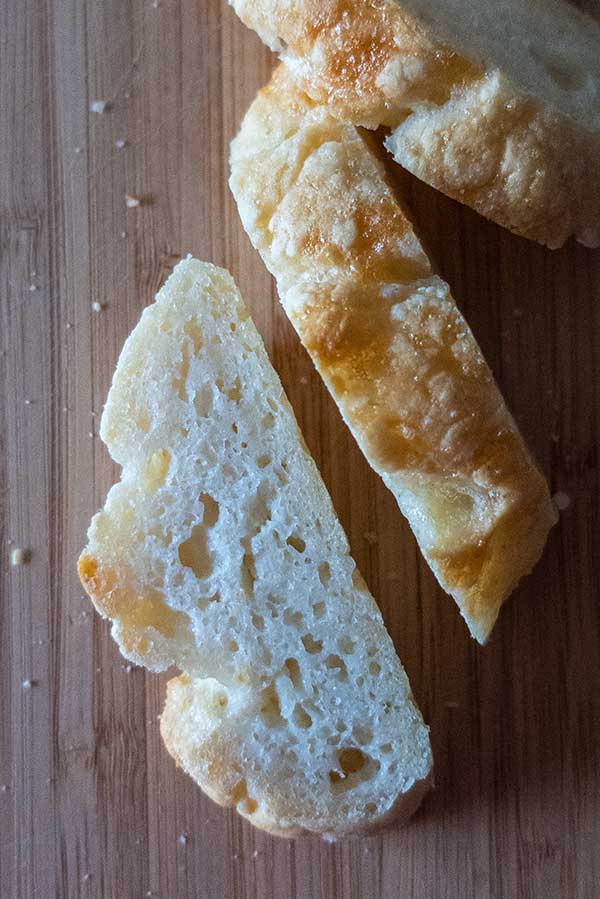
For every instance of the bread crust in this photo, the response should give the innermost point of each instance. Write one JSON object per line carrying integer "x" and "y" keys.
{"x": 392, "y": 347}
{"x": 460, "y": 125}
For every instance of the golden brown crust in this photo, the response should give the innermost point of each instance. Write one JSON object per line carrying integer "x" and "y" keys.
{"x": 392, "y": 347}
{"x": 464, "y": 128}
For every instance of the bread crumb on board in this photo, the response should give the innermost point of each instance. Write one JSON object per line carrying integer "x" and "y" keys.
{"x": 99, "y": 106}
{"x": 97, "y": 307}
{"x": 131, "y": 201}
{"x": 20, "y": 556}
{"x": 561, "y": 500}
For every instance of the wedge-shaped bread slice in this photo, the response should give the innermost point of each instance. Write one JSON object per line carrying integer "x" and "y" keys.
{"x": 393, "y": 349}
{"x": 496, "y": 104}
{"x": 219, "y": 552}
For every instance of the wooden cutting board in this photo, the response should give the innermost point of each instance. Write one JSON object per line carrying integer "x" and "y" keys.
{"x": 90, "y": 803}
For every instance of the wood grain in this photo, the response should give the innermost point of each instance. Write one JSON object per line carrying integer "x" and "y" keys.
{"x": 90, "y": 804}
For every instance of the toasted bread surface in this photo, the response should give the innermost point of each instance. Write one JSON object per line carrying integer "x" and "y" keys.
{"x": 495, "y": 104}
{"x": 391, "y": 345}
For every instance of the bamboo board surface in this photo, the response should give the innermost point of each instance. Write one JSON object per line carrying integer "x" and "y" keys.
{"x": 90, "y": 803}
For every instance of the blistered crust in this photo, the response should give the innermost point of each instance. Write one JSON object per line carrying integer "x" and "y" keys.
{"x": 392, "y": 347}
{"x": 458, "y": 124}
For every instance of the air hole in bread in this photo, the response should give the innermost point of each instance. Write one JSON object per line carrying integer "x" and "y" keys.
{"x": 292, "y": 619}
{"x": 211, "y": 510}
{"x": 272, "y": 404}
{"x": 386, "y": 748}
{"x": 232, "y": 646}
{"x": 156, "y": 469}
{"x": 232, "y": 327}
{"x": 258, "y": 621}
{"x": 296, "y": 542}
{"x": 270, "y": 708}
{"x": 268, "y": 421}
{"x": 363, "y": 735}
{"x": 567, "y": 76}
{"x": 354, "y": 767}
{"x": 351, "y": 761}
{"x": 324, "y": 573}
{"x": 346, "y": 645}
{"x": 318, "y": 609}
{"x": 374, "y": 668}
{"x": 193, "y": 331}
{"x": 371, "y": 808}
{"x": 194, "y": 554}
{"x": 235, "y": 393}
{"x": 250, "y": 806}
{"x": 203, "y": 401}
{"x": 311, "y": 645}
{"x": 205, "y": 601}
{"x": 335, "y": 662}
{"x": 301, "y": 717}
{"x": 248, "y": 569}
{"x": 263, "y": 461}
{"x": 292, "y": 669}
{"x": 234, "y": 428}
{"x": 360, "y": 681}
{"x": 259, "y": 510}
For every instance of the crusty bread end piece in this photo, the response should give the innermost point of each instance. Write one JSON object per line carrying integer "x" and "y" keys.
{"x": 496, "y": 104}
{"x": 219, "y": 552}
{"x": 392, "y": 347}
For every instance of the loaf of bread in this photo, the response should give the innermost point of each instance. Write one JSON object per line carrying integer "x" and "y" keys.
{"x": 496, "y": 104}
{"x": 392, "y": 347}
{"x": 219, "y": 552}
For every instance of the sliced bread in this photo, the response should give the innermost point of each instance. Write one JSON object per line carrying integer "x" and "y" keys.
{"x": 496, "y": 104}
{"x": 394, "y": 350}
{"x": 219, "y": 552}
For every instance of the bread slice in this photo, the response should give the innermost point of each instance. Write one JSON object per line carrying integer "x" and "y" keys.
{"x": 496, "y": 104}
{"x": 219, "y": 552}
{"x": 393, "y": 349}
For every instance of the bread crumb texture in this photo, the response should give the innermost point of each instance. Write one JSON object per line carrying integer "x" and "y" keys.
{"x": 391, "y": 345}
{"x": 20, "y": 556}
{"x": 219, "y": 552}
{"x": 515, "y": 137}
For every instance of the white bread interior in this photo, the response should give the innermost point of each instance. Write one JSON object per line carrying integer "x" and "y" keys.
{"x": 219, "y": 552}
{"x": 394, "y": 350}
